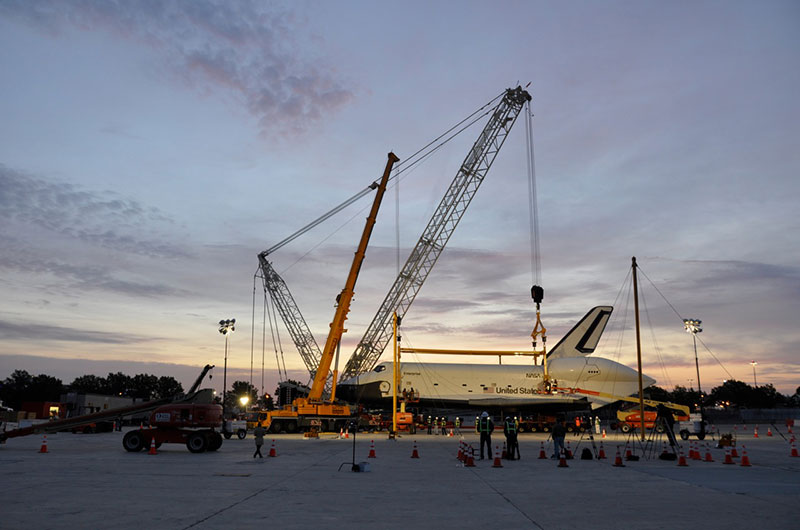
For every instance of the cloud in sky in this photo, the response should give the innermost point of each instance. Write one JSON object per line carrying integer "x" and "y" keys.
{"x": 667, "y": 132}
{"x": 247, "y": 49}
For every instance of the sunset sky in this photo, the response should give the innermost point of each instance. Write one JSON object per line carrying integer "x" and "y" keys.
{"x": 150, "y": 150}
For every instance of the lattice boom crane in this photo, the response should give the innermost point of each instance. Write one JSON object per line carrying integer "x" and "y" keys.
{"x": 438, "y": 232}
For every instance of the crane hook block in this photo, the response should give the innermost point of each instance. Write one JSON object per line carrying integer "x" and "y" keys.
{"x": 537, "y": 293}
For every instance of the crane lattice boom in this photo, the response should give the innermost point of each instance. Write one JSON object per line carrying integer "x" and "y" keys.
{"x": 438, "y": 232}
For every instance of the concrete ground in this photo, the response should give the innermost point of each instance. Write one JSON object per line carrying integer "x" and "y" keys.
{"x": 89, "y": 481}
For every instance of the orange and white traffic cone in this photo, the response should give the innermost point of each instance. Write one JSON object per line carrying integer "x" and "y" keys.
{"x": 697, "y": 455}
{"x": 371, "y": 449}
{"x": 470, "y": 457}
{"x": 347, "y": 434}
{"x": 745, "y": 459}
{"x": 755, "y": 432}
{"x": 604, "y": 434}
{"x": 728, "y": 459}
{"x": 769, "y": 431}
{"x": 415, "y": 453}
{"x": 794, "y": 449}
{"x": 618, "y": 460}
{"x": 460, "y": 455}
{"x": 628, "y": 453}
{"x": 504, "y": 455}
{"x": 681, "y": 458}
{"x": 43, "y": 448}
{"x": 568, "y": 451}
{"x": 601, "y": 454}
{"x": 272, "y": 451}
{"x": 152, "y": 450}
{"x": 497, "y": 462}
{"x": 542, "y": 455}
{"x": 734, "y": 452}
{"x": 450, "y": 434}
{"x": 709, "y": 458}
{"x": 562, "y": 462}
{"x": 341, "y": 434}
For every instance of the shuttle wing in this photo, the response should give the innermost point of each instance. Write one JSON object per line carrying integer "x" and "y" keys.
{"x": 583, "y": 338}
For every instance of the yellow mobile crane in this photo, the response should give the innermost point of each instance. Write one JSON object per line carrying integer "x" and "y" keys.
{"x": 313, "y": 412}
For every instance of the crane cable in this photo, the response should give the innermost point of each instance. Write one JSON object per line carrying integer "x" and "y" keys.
{"x": 533, "y": 208}
{"x": 407, "y": 164}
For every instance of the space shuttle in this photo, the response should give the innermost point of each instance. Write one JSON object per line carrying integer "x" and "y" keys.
{"x": 575, "y": 379}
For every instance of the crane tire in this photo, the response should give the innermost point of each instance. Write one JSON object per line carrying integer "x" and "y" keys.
{"x": 214, "y": 441}
{"x": 133, "y": 441}
{"x": 197, "y": 442}
{"x": 241, "y": 434}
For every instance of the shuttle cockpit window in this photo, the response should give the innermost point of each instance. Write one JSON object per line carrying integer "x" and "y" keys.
{"x": 380, "y": 368}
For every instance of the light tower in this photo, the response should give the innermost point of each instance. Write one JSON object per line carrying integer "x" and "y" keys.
{"x": 755, "y": 383}
{"x": 226, "y": 327}
{"x": 692, "y": 325}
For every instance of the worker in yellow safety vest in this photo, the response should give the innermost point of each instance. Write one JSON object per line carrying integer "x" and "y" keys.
{"x": 485, "y": 428}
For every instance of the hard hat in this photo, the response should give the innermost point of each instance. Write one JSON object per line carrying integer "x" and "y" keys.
{"x": 484, "y": 414}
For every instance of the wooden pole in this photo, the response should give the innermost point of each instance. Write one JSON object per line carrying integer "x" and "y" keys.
{"x": 638, "y": 344}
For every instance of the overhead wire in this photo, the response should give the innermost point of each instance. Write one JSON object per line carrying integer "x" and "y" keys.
{"x": 681, "y": 320}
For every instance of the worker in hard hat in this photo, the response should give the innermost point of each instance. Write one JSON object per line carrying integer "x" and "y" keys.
{"x": 457, "y": 424}
{"x": 510, "y": 431}
{"x": 485, "y": 429}
{"x": 430, "y": 425}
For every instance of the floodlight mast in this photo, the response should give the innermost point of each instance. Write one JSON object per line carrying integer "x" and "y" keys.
{"x": 436, "y": 235}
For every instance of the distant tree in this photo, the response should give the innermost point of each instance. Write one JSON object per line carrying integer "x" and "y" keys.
{"x": 119, "y": 384}
{"x": 657, "y": 393}
{"x": 686, "y": 396}
{"x": 46, "y": 388}
{"x": 15, "y": 389}
{"x": 89, "y": 384}
{"x": 167, "y": 387}
{"x": 144, "y": 386}
{"x": 240, "y": 389}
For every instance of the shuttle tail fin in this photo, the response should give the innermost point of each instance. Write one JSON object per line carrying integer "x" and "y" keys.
{"x": 582, "y": 339}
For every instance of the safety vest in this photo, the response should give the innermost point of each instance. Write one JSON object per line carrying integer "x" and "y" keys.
{"x": 511, "y": 426}
{"x": 484, "y": 424}
{"x": 458, "y": 422}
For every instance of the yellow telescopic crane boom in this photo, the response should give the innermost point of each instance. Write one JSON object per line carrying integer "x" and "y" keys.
{"x": 344, "y": 298}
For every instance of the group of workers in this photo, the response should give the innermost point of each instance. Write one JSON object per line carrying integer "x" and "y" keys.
{"x": 440, "y": 424}
{"x": 484, "y": 426}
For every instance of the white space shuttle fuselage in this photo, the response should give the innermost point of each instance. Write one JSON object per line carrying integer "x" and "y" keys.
{"x": 573, "y": 377}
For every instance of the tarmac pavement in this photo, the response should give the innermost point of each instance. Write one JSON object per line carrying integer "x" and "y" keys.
{"x": 90, "y": 481}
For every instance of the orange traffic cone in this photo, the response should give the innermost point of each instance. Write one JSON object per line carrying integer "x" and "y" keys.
{"x": 697, "y": 455}
{"x": 628, "y": 453}
{"x": 562, "y": 462}
{"x": 734, "y": 452}
{"x": 728, "y": 459}
{"x": 371, "y": 449}
{"x": 569, "y": 451}
{"x": 681, "y": 458}
{"x": 542, "y": 455}
{"x": 604, "y": 434}
{"x": 769, "y": 431}
{"x": 415, "y": 453}
{"x": 450, "y": 434}
{"x": 794, "y": 449}
{"x": 347, "y": 433}
{"x": 460, "y": 455}
{"x": 755, "y": 432}
{"x": 505, "y": 452}
{"x": 341, "y": 434}
{"x": 470, "y": 457}
{"x": 141, "y": 426}
{"x": 709, "y": 458}
{"x": 43, "y": 448}
{"x": 745, "y": 459}
{"x": 601, "y": 455}
{"x": 272, "y": 451}
{"x": 618, "y": 460}
{"x": 152, "y": 450}
{"x": 497, "y": 462}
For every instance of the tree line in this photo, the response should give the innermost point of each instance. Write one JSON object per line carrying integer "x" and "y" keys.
{"x": 21, "y": 386}
{"x": 731, "y": 394}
